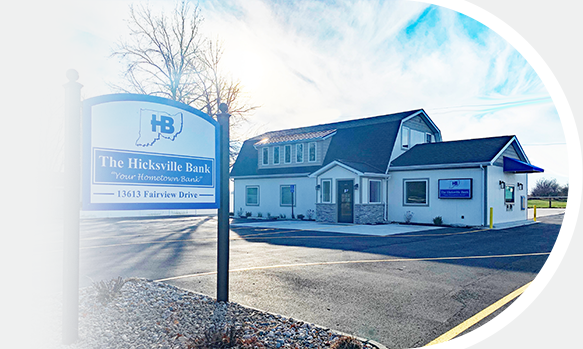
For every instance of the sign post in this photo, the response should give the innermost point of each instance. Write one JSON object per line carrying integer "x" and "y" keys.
{"x": 72, "y": 202}
{"x": 139, "y": 152}
{"x": 223, "y": 212}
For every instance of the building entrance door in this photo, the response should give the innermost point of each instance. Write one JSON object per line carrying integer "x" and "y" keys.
{"x": 345, "y": 201}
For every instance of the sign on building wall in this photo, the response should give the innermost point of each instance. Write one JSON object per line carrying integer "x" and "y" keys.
{"x": 460, "y": 188}
{"x": 144, "y": 152}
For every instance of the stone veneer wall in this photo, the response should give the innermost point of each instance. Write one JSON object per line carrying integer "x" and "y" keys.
{"x": 369, "y": 213}
{"x": 326, "y": 213}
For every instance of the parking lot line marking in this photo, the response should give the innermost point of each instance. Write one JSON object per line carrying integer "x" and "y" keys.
{"x": 456, "y": 331}
{"x": 429, "y": 259}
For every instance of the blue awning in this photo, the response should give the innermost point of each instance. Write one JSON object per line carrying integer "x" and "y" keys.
{"x": 517, "y": 166}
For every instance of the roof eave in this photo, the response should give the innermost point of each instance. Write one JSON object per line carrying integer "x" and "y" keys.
{"x": 333, "y": 164}
{"x": 438, "y": 166}
{"x": 506, "y": 147}
{"x": 282, "y": 175}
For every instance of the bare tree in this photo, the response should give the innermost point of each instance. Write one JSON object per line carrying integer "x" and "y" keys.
{"x": 166, "y": 55}
{"x": 545, "y": 187}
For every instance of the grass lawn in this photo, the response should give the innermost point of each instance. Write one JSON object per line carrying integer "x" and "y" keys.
{"x": 545, "y": 204}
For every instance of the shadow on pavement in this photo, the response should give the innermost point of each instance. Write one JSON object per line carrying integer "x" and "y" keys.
{"x": 447, "y": 242}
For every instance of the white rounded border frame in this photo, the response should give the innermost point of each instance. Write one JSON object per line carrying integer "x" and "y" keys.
{"x": 575, "y": 170}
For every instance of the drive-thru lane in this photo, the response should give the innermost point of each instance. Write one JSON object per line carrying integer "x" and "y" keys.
{"x": 400, "y": 290}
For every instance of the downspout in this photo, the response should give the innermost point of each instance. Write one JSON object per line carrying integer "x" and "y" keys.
{"x": 386, "y": 208}
{"x": 386, "y": 213}
{"x": 484, "y": 203}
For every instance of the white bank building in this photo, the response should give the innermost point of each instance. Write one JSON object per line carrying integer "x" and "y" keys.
{"x": 390, "y": 168}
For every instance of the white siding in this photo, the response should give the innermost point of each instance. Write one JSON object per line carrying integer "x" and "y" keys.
{"x": 337, "y": 173}
{"x": 451, "y": 210}
{"x": 496, "y": 195}
{"x": 269, "y": 195}
{"x": 475, "y": 211}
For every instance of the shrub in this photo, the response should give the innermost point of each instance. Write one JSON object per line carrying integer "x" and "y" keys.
{"x": 259, "y": 214}
{"x": 240, "y": 212}
{"x": 107, "y": 291}
{"x": 310, "y": 214}
{"x": 281, "y": 215}
{"x": 438, "y": 220}
{"x": 408, "y": 217}
{"x": 301, "y": 216}
{"x": 346, "y": 342}
{"x": 248, "y": 214}
{"x": 269, "y": 215}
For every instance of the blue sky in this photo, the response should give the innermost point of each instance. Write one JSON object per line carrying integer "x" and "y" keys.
{"x": 308, "y": 62}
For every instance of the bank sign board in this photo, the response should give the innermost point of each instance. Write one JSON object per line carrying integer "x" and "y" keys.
{"x": 460, "y": 188}
{"x": 143, "y": 152}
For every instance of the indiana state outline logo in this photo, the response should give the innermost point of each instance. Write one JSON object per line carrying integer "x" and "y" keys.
{"x": 156, "y": 125}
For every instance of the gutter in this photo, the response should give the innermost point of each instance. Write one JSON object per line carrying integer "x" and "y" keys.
{"x": 376, "y": 175}
{"x": 439, "y": 166}
{"x": 286, "y": 175}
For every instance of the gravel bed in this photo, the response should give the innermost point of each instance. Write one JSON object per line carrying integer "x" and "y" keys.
{"x": 146, "y": 314}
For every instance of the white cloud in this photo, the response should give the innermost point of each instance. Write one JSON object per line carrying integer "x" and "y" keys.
{"x": 311, "y": 62}
{"x": 322, "y": 62}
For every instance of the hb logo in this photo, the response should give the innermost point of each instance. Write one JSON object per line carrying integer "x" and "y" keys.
{"x": 165, "y": 124}
{"x": 156, "y": 125}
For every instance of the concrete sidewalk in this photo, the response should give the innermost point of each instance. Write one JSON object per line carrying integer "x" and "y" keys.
{"x": 541, "y": 212}
{"x": 377, "y": 230}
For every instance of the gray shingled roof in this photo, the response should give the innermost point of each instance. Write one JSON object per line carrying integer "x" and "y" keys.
{"x": 368, "y": 142}
{"x": 477, "y": 150}
{"x": 293, "y": 137}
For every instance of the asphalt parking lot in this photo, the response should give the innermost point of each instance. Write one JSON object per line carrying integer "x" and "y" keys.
{"x": 401, "y": 290}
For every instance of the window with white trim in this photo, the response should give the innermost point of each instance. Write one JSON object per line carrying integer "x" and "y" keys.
{"x": 300, "y": 152}
{"x": 287, "y": 154}
{"x": 327, "y": 191}
{"x": 286, "y": 197}
{"x": 252, "y": 195}
{"x": 275, "y": 155}
{"x": 265, "y": 156}
{"x": 312, "y": 152}
{"x": 405, "y": 137}
{"x": 374, "y": 192}
{"x": 416, "y": 192}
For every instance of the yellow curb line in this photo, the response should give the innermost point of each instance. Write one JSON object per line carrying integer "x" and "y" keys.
{"x": 454, "y": 332}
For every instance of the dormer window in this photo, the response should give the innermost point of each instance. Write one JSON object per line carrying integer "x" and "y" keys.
{"x": 405, "y": 137}
{"x": 276, "y": 155}
{"x": 300, "y": 153}
{"x": 265, "y": 156}
{"x": 312, "y": 152}
{"x": 411, "y": 137}
{"x": 287, "y": 154}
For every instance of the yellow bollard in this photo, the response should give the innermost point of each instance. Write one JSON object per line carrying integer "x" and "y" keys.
{"x": 491, "y": 217}
{"x": 535, "y": 213}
